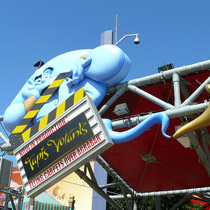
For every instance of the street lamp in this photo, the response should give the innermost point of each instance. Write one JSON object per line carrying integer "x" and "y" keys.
{"x": 136, "y": 40}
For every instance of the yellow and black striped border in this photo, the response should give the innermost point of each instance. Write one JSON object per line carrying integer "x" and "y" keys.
{"x": 40, "y": 102}
{"x": 60, "y": 109}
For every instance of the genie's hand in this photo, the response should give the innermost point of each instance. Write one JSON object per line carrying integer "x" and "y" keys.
{"x": 77, "y": 73}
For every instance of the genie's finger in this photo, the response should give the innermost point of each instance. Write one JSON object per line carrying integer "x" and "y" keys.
{"x": 87, "y": 62}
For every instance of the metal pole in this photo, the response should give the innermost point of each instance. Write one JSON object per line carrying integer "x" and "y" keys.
{"x": 207, "y": 135}
{"x": 2, "y": 136}
{"x": 161, "y": 77}
{"x": 114, "y": 174}
{"x": 91, "y": 172}
{"x": 20, "y": 203}
{"x": 204, "y": 142}
{"x": 176, "y": 84}
{"x": 196, "y": 93}
{"x": 112, "y": 100}
{"x": 6, "y": 202}
{"x": 186, "y": 93}
{"x": 196, "y": 145}
{"x": 109, "y": 185}
{"x": 168, "y": 192}
{"x": 150, "y": 97}
{"x": 125, "y": 197}
{"x": 12, "y": 202}
{"x": 128, "y": 35}
{"x": 94, "y": 186}
{"x": 204, "y": 157}
{"x": 172, "y": 113}
{"x": 157, "y": 202}
{"x": 183, "y": 200}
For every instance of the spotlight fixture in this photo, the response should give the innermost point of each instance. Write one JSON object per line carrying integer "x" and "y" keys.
{"x": 165, "y": 67}
{"x": 136, "y": 40}
{"x": 121, "y": 110}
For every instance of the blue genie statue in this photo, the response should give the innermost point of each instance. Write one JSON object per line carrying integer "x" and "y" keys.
{"x": 94, "y": 70}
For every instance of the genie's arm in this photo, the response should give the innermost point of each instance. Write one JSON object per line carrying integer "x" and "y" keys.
{"x": 15, "y": 112}
{"x": 77, "y": 72}
{"x": 126, "y": 136}
{"x": 105, "y": 64}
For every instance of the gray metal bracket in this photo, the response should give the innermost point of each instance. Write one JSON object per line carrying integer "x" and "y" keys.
{"x": 9, "y": 193}
{"x": 95, "y": 187}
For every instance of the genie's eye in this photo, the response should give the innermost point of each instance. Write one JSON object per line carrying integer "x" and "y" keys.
{"x": 48, "y": 72}
{"x": 46, "y": 76}
{"x": 38, "y": 79}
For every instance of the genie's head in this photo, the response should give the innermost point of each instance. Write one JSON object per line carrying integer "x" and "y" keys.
{"x": 94, "y": 70}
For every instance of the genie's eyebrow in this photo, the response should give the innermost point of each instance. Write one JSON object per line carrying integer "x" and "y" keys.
{"x": 39, "y": 76}
{"x": 50, "y": 68}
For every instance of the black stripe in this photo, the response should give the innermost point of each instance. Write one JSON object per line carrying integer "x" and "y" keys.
{"x": 69, "y": 102}
{"x": 62, "y": 75}
{"x": 49, "y": 91}
{"x": 51, "y": 116}
{"x": 37, "y": 106}
{"x": 25, "y": 121}
{"x": 34, "y": 129}
{"x": 84, "y": 94}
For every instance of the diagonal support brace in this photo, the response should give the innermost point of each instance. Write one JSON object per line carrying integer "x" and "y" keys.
{"x": 94, "y": 186}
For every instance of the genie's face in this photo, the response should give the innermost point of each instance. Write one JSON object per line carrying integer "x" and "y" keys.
{"x": 43, "y": 79}
{"x": 38, "y": 82}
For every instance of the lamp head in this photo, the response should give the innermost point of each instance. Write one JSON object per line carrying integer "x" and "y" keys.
{"x": 136, "y": 40}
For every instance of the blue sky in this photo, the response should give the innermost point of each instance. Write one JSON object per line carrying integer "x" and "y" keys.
{"x": 175, "y": 32}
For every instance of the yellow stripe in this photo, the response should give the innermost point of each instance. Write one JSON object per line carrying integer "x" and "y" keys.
{"x": 43, "y": 122}
{"x": 56, "y": 83}
{"x": 31, "y": 114}
{"x": 60, "y": 109}
{"x": 43, "y": 99}
{"x": 78, "y": 95}
{"x": 26, "y": 134}
{"x": 19, "y": 129}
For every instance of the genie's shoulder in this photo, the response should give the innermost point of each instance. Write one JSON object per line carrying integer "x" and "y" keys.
{"x": 110, "y": 65}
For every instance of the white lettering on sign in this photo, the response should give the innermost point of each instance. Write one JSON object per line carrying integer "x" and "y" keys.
{"x": 68, "y": 159}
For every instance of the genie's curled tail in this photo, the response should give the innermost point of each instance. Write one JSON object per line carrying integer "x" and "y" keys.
{"x": 126, "y": 136}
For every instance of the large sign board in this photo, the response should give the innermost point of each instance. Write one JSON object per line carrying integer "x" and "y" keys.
{"x": 74, "y": 138}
